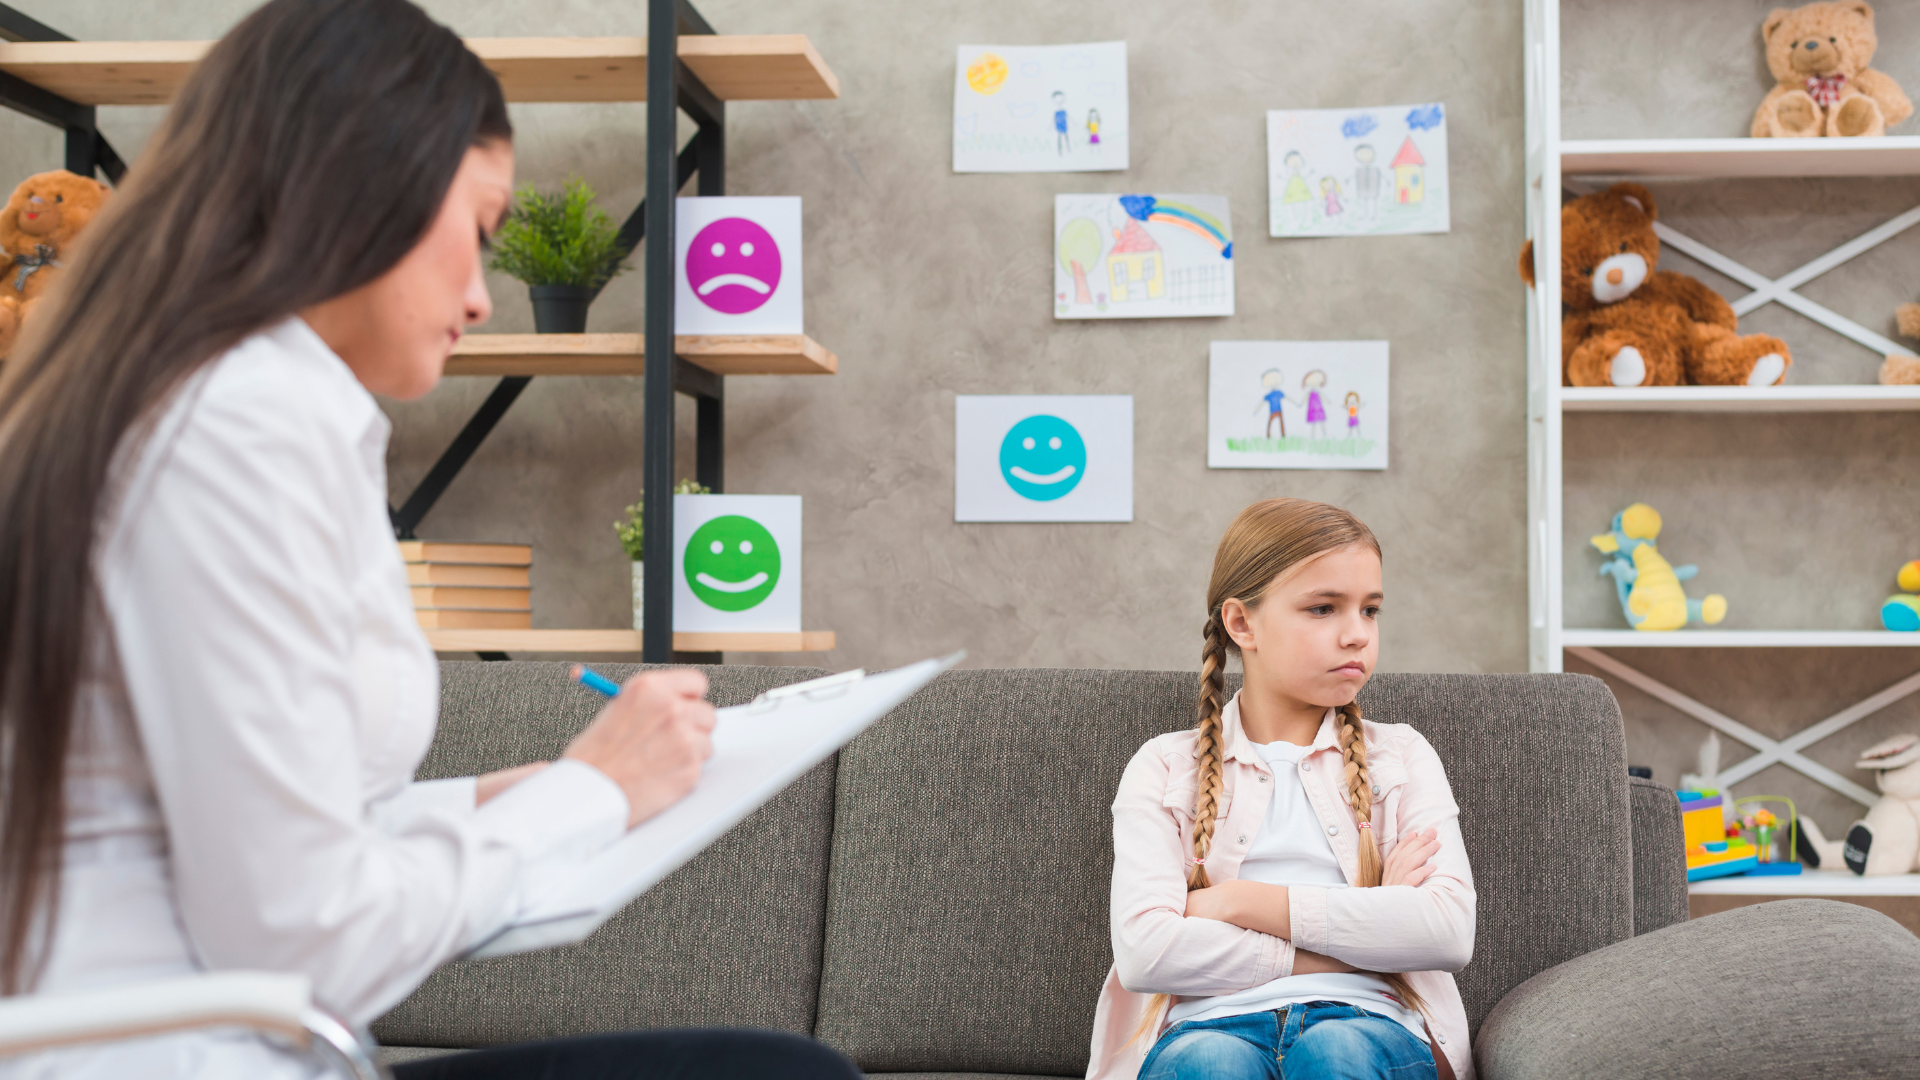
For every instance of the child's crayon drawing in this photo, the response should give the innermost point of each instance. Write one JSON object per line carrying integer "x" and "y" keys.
{"x": 1325, "y": 176}
{"x": 1297, "y": 405}
{"x": 1040, "y": 108}
{"x": 1141, "y": 256}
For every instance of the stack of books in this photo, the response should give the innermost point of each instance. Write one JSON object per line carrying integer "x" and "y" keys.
{"x": 459, "y": 586}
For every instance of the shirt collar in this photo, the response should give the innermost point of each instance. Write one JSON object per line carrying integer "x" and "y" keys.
{"x": 1241, "y": 748}
{"x": 361, "y": 411}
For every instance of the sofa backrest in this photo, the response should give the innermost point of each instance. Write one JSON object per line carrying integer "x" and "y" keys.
{"x": 967, "y": 925}
{"x": 733, "y": 937}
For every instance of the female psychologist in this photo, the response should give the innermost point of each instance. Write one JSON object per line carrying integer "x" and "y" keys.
{"x": 213, "y": 693}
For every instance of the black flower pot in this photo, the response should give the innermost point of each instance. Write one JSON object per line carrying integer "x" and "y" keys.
{"x": 560, "y": 309}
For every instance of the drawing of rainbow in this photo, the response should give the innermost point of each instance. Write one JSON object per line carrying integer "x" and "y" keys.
{"x": 1198, "y": 222}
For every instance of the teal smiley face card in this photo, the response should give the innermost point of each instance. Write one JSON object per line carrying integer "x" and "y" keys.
{"x": 1066, "y": 457}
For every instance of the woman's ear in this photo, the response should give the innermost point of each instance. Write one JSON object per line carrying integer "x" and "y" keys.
{"x": 1233, "y": 619}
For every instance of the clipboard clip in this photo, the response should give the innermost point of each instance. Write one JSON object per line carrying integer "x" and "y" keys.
{"x": 821, "y": 689}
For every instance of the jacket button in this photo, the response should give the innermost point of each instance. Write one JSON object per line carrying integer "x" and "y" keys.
{"x": 1333, "y": 830}
{"x": 1442, "y": 1038}
{"x": 1376, "y": 791}
{"x": 1263, "y": 778}
{"x": 1304, "y": 767}
{"x": 1243, "y": 838}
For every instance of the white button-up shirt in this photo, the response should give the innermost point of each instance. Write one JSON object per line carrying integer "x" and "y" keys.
{"x": 258, "y": 695}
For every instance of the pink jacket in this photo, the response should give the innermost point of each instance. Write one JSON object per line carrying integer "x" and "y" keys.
{"x": 1426, "y": 931}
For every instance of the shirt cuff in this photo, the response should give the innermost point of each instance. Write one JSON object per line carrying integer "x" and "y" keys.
{"x": 1307, "y": 917}
{"x": 568, "y": 810}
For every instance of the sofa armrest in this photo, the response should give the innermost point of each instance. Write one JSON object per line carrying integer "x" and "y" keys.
{"x": 1659, "y": 857}
{"x": 1799, "y": 988}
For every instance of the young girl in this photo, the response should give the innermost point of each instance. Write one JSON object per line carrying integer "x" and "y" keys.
{"x": 1289, "y": 885}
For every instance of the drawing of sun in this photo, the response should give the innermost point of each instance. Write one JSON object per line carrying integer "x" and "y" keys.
{"x": 987, "y": 74}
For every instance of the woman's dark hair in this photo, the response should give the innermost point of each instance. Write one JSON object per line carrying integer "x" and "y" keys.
{"x": 308, "y": 153}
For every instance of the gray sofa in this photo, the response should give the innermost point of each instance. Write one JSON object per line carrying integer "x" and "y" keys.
{"x": 933, "y": 902}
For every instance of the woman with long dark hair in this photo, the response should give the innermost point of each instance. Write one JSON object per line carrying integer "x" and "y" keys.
{"x": 213, "y": 694}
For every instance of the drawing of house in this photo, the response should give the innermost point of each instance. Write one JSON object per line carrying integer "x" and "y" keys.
{"x": 1409, "y": 173}
{"x": 1136, "y": 266}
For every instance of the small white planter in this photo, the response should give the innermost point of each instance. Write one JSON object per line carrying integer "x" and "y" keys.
{"x": 639, "y": 594}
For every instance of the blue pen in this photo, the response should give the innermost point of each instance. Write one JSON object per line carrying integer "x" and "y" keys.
{"x": 593, "y": 680}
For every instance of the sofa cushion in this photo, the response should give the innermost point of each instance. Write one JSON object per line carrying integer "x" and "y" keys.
{"x": 732, "y": 938}
{"x": 1659, "y": 857}
{"x": 1792, "y": 988}
{"x": 967, "y": 925}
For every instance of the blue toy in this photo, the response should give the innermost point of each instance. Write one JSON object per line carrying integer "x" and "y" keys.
{"x": 1649, "y": 586}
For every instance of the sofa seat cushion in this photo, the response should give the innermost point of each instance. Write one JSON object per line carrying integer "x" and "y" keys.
{"x": 1792, "y": 988}
{"x": 732, "y": 938}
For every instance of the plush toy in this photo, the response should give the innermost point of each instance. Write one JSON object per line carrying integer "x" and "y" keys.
{"x": 9, "y": 324}
{"x": 1649, "y": 586}
{"x": 1887, "y": 840}
{"x": 1901, "y": 370}
{"x": 37, "y": 229}
{"x": 1818, "y": 54}
{"x": 1627, "y": 324}
{"x": 1902, "y": 609}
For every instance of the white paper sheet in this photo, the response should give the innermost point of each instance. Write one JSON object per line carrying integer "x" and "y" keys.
{"x": 758, "y": 749}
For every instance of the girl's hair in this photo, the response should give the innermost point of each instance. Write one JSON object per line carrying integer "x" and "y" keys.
{"x": 1321, "y": 380}
{"x": 309, "y": 152}
{"x": 1353, "y": 397}
{"x": 1267, "y": 540}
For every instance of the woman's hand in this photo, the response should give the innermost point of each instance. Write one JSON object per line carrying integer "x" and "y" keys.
{"x": 493, "y": 783}
{"x": 651, "y": 740}
{"x": 1411, "y": 861}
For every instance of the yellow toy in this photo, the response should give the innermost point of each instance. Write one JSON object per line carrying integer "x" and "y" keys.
{"x": 1710, "y": 851}
{"x": 1649, "y": 586}
{"x": 1902, "y": 610}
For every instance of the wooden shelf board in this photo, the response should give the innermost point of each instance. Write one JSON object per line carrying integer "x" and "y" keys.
{"x": 1761, "y": 399}
{"x": 625, "y": 354}
{"x": 1739, "y": 639}
{"x": 621, "y": 641}
{"x": 1893, "y": 155}
{"x": 736, "y": 67}
{"x": 1809, "y": 882}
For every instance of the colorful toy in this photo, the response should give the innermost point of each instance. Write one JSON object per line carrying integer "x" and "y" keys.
{"x": 1711, "y": 852}
{"x": 1649, "y": 586}
{"x": 1818, "y": 54}
{"x": 1887, "y": 840}
{"x": 1626, "y": 323}
{"x": 1902, "y": 610}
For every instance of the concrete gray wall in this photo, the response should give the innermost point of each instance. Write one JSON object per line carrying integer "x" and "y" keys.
{"x": 1801, "y": 520}
{"x": 929, "y": 284}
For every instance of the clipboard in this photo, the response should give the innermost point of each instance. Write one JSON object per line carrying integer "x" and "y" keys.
{"x": 758, "y": 749}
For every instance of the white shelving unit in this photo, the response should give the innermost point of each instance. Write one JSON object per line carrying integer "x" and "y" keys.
{"x": 1809, "y": 883}
{"x": 1553, "y": 165}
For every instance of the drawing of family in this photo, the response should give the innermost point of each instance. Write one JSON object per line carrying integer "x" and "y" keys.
{"x": 1312, "y": 385}
{"x": 1365, "y": 183}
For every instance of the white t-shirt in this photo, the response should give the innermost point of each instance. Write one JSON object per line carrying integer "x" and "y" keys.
{"x": 1291, "y": 849}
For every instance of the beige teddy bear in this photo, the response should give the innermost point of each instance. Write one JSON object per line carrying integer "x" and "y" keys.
{"x": 1819, "y": 55}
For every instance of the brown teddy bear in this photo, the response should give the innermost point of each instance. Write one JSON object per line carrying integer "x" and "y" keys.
{"x": 37, "y": 230}
{"x": 1624, "y": 323}
{"x": 1819, "y": 54}
{"x": 1902, "y": 370}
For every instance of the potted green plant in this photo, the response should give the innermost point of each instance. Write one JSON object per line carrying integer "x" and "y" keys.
{"x": 564, "y": 248}
{"x": 632, "y": 531}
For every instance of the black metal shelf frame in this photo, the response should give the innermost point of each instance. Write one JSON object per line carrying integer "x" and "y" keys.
{"x": 671, "y": 88}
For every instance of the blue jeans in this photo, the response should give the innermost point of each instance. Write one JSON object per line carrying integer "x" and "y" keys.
{"x": 1321, "y": 1040}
